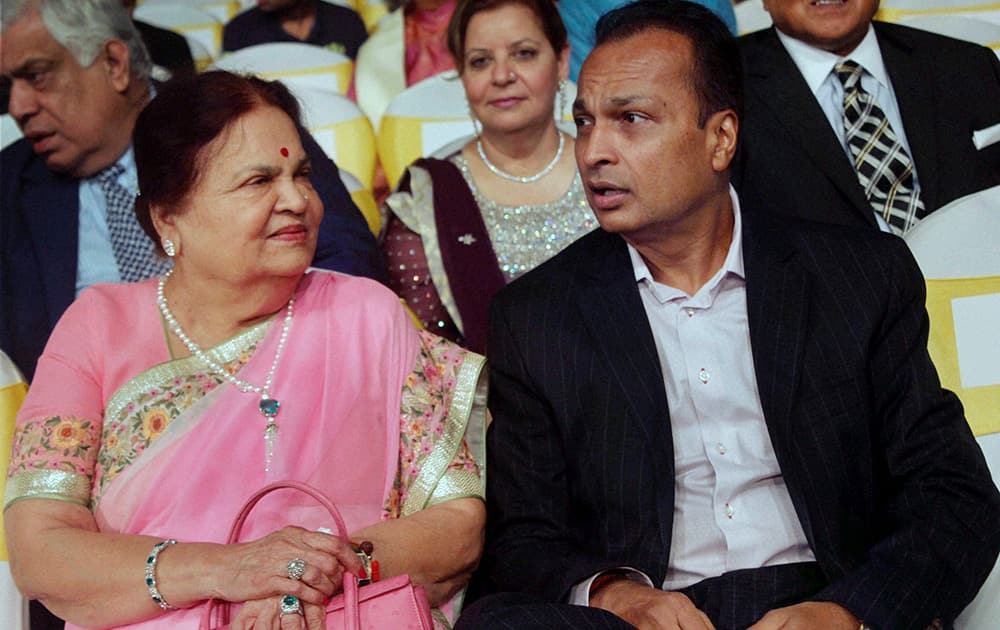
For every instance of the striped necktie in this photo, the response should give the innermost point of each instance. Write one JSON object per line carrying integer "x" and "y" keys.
{"x": 134, "y": 251}
{"x": 884, "y": 168}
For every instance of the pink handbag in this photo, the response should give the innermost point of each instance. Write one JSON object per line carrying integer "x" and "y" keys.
{"x": 391, "y": 603}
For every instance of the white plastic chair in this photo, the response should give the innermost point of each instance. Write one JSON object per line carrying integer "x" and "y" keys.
{"x": 895, "y": 10}
{"x": 751, "y": 16}
{"x": 344, "y": 3}
{"x": 296, "y": 64}
{"x": 222, "y": 10}
{"x": 958, "y": 26}
{"x": 961, "y": 239}
{"x": 9, "y": 131}
{"x": 340, "y": 129}
{"x": 363, "y": 199}
{"x": 958, "y": 250}
{"x": 191, "y": 22}
{"x": 420, "y": 120}
{"x": 13, "y": 606}
{"x": 371, "y": 11}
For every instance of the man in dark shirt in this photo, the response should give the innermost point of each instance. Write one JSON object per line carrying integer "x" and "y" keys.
{"x": 167, "y": 49}
{"x": 307, "y": 21}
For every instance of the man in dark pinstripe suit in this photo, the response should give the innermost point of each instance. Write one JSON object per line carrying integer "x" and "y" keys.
{"x": 706, "y": 417}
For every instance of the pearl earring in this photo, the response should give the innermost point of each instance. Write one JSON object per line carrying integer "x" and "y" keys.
{"x": 562, "y": 100}
{"x": 169, "y": 247}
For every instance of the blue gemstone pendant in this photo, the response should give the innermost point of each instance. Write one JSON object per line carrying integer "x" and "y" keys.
{"x": 269, "y": 407}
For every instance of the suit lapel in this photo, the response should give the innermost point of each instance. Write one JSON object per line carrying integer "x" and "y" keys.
{"x": 50, "y": 207}
{"x": 781, "y": 88}
{"x": 778, "y": 311}
{"x": 610, "y": 306}
{"x": 915, "y": 98}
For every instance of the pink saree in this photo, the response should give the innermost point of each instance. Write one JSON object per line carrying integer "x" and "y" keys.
{"x": 373, "y": 413}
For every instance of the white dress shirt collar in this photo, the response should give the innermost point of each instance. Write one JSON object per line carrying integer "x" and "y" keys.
{"x": 815, "y": 64}
{"x": 733, "y": 263}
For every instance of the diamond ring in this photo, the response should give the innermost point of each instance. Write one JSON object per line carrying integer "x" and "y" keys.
{"x": 290, "y": 605}
{"x": 296, "y": 568}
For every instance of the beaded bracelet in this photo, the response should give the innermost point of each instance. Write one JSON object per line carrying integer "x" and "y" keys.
{"x": 151, "y": 573}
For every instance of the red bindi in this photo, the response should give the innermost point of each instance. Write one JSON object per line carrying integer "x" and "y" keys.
{"x": 284, "y": 152}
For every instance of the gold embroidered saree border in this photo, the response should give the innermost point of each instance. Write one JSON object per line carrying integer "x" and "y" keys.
{"x": 467, "y": 384}
{"x": 47, "y": 484}
{"x": 224, "y": 353}
{"x": 456, "y": 484}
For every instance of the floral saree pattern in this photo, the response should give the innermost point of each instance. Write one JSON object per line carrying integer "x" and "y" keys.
{"x": 55, "y": 446}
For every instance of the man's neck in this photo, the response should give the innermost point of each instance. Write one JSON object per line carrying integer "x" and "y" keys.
{"x": 299, "y": 19}
{"x": 688, "y": 254}
{"x": 115, "y": 146}
{"x": 304, "y": 10}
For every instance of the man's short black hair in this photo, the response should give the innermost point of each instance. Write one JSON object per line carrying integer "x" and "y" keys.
{"x": 716, "y": 77}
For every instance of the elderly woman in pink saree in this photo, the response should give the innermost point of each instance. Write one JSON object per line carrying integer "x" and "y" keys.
{"x": 159, "y": 407}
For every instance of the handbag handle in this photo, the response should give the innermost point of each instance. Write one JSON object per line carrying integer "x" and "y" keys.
{"x": 352, "y": 616}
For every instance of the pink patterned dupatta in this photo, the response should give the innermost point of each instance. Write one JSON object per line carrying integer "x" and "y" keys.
{"x": 350, "y": 352}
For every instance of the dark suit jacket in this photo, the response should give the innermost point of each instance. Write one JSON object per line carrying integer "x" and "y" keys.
{"x": 887, "y": 481}
{"x": 791, "y": 162}
{"x": 166, "y": 48}
{"x": 39, "y": 227}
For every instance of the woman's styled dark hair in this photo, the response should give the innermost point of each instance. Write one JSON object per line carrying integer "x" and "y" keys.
{"x": 717, "y": 76}
{"x": 544, "y": 10}
{"x": 187, "y": 114}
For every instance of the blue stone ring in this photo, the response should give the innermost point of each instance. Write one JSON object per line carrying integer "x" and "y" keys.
{"x": 290, "y": 605}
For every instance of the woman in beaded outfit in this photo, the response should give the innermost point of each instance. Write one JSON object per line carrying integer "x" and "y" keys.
{"x": 460, "y": 228}
{"x": 159, "y": 407}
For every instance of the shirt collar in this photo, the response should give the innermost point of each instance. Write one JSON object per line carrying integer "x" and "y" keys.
{"x": 129, "y": 177}
{"x": 816, "y": 64}
{"x": 733, "y": 263}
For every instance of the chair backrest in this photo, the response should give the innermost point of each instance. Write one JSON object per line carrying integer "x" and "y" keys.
{"x": 958, "y": 250}
{"x": 364, "y": 200}
{"x": 9, "y": 131}
{"x": 958, "y": 26}
{"x": 895, "y": 10}
{"x": 421, "y": 119}
{"x": 222, "y": 10}
{"x": 191, "y": 22}
{"x": 294, "y": 63}
{"x": 432, "y": 114}
{"x": 342, "y": 131}
{"x": 13, "y": 607}
{"x": 203, "y": 58}
{"x": 751, "y": 16}
{"x": 371, "y": 11}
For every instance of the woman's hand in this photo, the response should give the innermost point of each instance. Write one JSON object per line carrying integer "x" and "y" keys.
{"x": 264, "y": 614}
{"x": 259, "y": 569}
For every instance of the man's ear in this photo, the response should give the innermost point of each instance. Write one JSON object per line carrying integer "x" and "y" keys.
{"x": 724, "y": 129}
{"x": 118, "y": 64}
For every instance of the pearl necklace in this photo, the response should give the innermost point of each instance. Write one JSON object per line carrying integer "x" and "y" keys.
{"x": 527, "y": 179}
{"x": 268, "y": 406}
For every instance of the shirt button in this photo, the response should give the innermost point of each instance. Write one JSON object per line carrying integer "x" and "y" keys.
{"x": 704, "y": 376}
{"x": 730, "y": 511}
{"x": 721, "y": 448}
{"x": 689, "y": 311}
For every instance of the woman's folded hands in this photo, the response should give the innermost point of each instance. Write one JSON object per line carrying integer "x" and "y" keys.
{"x": 261, "y": 568}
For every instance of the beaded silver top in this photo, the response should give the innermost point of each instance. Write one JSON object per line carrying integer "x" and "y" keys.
{"x": 526, "y": 236}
